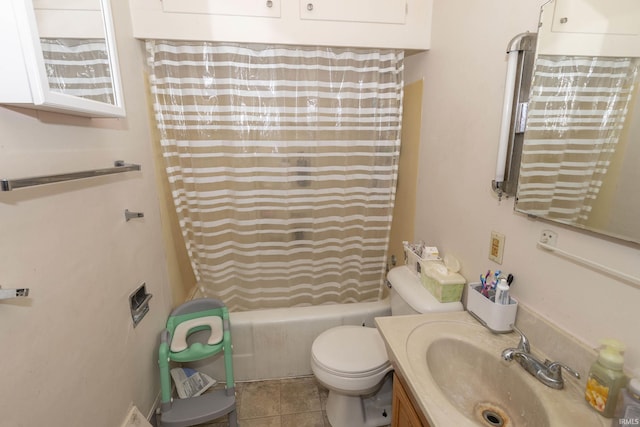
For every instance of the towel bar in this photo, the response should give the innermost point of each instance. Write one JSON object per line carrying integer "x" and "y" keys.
{"x": 632, "y": 280}
{"x": 13, "y": 184}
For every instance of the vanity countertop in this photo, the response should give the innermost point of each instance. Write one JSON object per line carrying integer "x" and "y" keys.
{"x": 396, "y": 331}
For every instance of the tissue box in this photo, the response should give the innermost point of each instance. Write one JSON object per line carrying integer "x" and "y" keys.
{"x": 496, "y": 317}
{"x": 443, "y": 284}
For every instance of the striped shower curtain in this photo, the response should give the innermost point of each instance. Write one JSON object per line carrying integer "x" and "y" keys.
{"x": 79, "y": 67}
{"x": 577, "y": 110}
{"x": 282, "y": 162}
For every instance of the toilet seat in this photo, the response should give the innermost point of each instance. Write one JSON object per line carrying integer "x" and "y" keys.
{"x": 350, "y": 359}
{"x": 351, "y": 351}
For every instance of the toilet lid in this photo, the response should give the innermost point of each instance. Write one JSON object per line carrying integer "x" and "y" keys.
{"x": 350, "y": 349}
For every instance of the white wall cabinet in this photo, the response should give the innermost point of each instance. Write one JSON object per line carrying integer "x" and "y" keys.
{"x": 373, "y": 11}
{"x": 258, "y": 8}
{"x": 59, "y": 55}
{"x": 402, "y": 24}
{"x": 590, "y": 28}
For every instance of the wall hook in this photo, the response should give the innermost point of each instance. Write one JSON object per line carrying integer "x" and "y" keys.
{"x": 128, "y": 215}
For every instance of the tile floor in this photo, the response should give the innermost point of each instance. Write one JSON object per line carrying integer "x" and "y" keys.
{"x": 295, "y": 402}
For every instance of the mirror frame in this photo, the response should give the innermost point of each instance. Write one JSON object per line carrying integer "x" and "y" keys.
{"x": 43, "y": 96}
{"x": 590, "y": 44}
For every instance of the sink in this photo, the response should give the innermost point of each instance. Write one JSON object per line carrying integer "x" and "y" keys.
{"x": 490, "y": 392}
{"x": 457, "y": 369}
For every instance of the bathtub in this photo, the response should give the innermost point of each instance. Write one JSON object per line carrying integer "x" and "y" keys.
{"x": 276, "y": 343}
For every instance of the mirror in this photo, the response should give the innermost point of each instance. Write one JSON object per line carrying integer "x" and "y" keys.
{"x": 580, "y": 163}
{"x": 69, "y": 55}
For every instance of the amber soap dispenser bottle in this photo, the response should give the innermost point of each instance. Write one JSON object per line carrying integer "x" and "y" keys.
{"x": 606, "y": 378}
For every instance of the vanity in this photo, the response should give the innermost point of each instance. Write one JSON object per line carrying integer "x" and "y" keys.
{"x": 405, "y": 413}
{"x": 450, "y": 370}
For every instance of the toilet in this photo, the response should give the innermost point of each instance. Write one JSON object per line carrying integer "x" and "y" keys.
{"x": 351, "y": 361}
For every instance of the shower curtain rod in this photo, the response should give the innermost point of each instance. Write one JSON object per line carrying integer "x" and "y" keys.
{"x": 119, "y": 167}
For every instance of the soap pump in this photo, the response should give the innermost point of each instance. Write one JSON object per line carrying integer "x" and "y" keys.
{"x": 606, "y": 378}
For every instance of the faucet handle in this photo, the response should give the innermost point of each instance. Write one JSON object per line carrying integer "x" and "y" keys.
{"x": 555, "y": 368}
{"x": 524, "y": 341}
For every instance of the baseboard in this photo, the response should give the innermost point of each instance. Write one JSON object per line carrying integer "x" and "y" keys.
{"x": 151, "y": 416}
{"x": 135, "y": 419}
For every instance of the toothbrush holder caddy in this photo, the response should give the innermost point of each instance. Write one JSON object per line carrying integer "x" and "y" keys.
{"x": 498, "y": 318}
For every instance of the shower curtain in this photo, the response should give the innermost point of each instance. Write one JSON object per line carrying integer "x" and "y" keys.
{"x": 79, "y": 67}
{"x": 577, "y": 110}
{"x": 282, "y": 162}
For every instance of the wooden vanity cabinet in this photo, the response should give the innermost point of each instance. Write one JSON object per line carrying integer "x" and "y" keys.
{"x": 404, "y": 413}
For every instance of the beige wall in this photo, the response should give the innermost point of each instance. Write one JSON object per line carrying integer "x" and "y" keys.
{"x": 464, "y": 74}
{"x": 404, "y": 209}
{"x": 182, "y": 279}
{"x": 70, "y": 355}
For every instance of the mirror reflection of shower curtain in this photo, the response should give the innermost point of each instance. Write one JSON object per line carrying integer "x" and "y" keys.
{"x": 577, "y": 112}
{"x": 79, "y": 67}
{"x": 282, "y": 162}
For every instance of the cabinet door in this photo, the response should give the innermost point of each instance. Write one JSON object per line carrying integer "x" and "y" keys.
{"x": 610, "y": 17}
{"x": 379, "y": 11}
{"x": 262, "y": 8}
{"x": 403, "y": 412}
{"x": 605, "y": 28}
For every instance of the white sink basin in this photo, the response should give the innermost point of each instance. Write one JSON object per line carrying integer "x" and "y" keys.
{"x": 480, "y": 386}
{"x": 455, "y": 370}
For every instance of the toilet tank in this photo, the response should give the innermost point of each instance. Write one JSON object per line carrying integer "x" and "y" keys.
{"x": 409, "y": 296}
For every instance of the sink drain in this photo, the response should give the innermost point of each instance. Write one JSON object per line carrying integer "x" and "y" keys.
{"x": 492, "y": 418}
{"x": 491, "y": 415}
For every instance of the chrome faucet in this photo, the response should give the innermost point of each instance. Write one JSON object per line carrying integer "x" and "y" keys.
{"x": 548, "y": 373}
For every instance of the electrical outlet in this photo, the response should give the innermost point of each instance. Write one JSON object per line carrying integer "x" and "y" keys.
{"x": 496, "y": 247}
{"x": 549, "y": 237}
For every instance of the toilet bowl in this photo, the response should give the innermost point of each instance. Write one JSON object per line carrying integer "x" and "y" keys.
{"x": 352, "y": 362}
{"x": 350, "y": 359}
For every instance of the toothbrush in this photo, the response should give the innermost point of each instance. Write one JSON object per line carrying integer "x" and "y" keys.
{"x": 485, "y": 285}
{"x": 494, "y": 284}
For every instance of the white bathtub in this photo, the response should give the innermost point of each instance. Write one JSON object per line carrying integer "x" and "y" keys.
{"x": 276, "y": 343}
